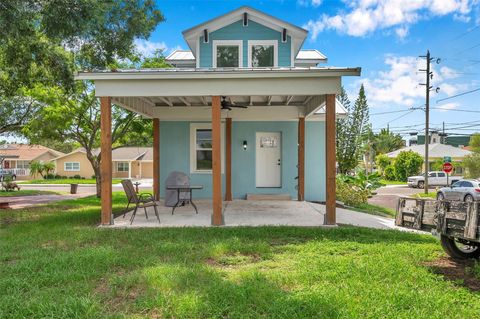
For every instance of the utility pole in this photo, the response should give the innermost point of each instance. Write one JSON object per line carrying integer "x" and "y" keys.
{"x": 428, "y": 87}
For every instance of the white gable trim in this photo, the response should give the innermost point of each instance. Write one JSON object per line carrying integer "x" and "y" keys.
{"x": 296, "y": 33}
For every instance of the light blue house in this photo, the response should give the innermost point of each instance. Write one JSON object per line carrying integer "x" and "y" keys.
{"x": 245, "y": 111}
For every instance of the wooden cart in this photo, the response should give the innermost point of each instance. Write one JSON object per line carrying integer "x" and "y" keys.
{"x": 455, "y": 222}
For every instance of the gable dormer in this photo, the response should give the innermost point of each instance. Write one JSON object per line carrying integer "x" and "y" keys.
{"x": 245, "y": 37}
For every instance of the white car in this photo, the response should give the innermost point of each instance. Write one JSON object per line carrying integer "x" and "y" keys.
{"x": 436, "y": 178}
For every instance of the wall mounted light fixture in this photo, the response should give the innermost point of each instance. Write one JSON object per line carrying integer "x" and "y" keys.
{"x": 244, "y": 145}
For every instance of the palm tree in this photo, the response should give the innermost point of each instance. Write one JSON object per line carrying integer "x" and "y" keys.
{"x": 36, "y": 168}
{"x": 48, "y": 168}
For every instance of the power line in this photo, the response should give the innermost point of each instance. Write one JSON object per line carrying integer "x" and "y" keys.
{"x": 465, "y": 33}
{"x": 454, "y": 110}
{"x": 468, "y": 49}
{"x": 457, "y": 95}
{"x": 390, "y": 112}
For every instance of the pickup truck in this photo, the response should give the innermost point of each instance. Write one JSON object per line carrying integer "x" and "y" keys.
{"x": 5, "y": 174}
{"x": 436, "y": 178}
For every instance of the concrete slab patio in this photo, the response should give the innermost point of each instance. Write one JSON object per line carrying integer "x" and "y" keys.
{"x": 251, "y": 213}
{"x": 237, "y": 213}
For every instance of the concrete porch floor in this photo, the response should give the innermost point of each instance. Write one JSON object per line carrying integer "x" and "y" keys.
{"x": 236, "y": 213}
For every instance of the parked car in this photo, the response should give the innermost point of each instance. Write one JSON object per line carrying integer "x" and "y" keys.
{"x": 4, "y": 173}
{"x": 436, "y": 178}
{"x": 467, "y": 190}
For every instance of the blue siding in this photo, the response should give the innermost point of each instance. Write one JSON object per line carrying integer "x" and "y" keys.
{"x": 236, "y": 31}
{"x": 175, "y": 156}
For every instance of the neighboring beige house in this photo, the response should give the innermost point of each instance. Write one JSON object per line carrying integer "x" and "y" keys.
{"x": 128, "y": 162}
{"x": 24, "y": 155}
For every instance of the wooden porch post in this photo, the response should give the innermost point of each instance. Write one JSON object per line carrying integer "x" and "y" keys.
{"x": 331, "y": 160}
{"x": 156, "y": 158}
{"x": 228, "y": 160}
{"x": 217, "y": 218}
{"x": 301, "y": 159}
{"x": 106, "y": 159}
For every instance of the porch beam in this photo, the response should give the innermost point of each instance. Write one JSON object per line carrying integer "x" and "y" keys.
{"x": 301, "y": 159}
{"x": 156, "y": 158}
{"x": 184, "y": 100}
{"x": 330, "y": 165}
{"x": 106, "y": 159}
{"x": 289, "y": 99}
{"x": 217, "y": 217}
{"x": 165, "y": 100}
{"x": 228, "y": 159}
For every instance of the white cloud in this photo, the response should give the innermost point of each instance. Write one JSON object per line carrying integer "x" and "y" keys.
{"x": 400, "y": 85}
{"x": 448, "y": 106}
{"x": 306, "y": 3}
{"x": 363, "y": 17}
{"x": 147, "y": 48}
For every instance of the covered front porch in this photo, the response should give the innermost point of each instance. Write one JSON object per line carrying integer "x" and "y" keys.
{"x": 273, "y": 98}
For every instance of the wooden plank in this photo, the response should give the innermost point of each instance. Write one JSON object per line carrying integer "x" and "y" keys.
{"x": 301, "y": 159}
{"x": 399, "y": 212}
{"x": 156, "y": 158}
{"x": 419, "y": 216}
{"x": 106, "y": 159}
{"x": 471, "y": 221}
{"x": 330, "y": 157}
{"x": 228, "y": 159}
{"x": 217, "y": 218}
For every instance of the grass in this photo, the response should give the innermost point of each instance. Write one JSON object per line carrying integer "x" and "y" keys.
{"x": 428, "y": 195}
{"x": 54, "y": 263}
{"x": 375, "y": 210}
{"x": 383, "y": 181}
{"x": 26, "y": 192}
{"x": 66, "y": 181}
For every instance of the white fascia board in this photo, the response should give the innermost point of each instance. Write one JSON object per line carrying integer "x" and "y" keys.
{"x": 227, "y": 73}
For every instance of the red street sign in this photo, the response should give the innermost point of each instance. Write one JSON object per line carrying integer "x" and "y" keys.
{"x": 447, "y": 167}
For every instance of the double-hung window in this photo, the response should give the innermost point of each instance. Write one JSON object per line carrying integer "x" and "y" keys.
{"x": 227, "y": 53}
{"x": 201, "y": 147}
{"x": 122, "y": 166}
{"x": 23, "y": 164}
{"x": 263, "y": 53}
{"x": 72, "y": 166}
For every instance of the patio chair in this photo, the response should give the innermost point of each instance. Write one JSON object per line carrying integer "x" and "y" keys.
{"x": 142, "y": 200}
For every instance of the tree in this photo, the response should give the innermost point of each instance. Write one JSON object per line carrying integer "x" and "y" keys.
{"x": 382, "y": 162}
{"x": 42, "y": 42}
{"x": 36, "y": 168}
{"x": 351, "y": 131}
{"x": 386, "y": 142}
{"x": 407, "y": 163}
{"x": 472, "y": 162}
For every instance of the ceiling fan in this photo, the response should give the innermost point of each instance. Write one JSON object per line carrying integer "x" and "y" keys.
{"x": 226, "y": 105}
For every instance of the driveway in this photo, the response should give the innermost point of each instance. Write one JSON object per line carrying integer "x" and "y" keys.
{"x": 388, "y": 196}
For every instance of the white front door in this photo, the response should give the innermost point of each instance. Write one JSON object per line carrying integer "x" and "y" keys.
{"x": 268, "y": 148}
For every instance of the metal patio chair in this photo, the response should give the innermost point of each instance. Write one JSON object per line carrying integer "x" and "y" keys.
{"x": 142, "y": 200}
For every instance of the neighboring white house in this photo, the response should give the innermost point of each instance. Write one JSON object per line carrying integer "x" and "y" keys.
{"x": 436, "y": 151}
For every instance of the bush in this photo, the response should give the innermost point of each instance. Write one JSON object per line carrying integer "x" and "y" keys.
{"x": 77, "y": 176}
{"x": 472, "y": 165}
{"x": 58, "y": 176}
{"x": 49, "y": 176}
{"x": 389, "y": 173}
{"x": 382, "y": 162}
{"x": 94, "y": 177}
{"x": 351, "y": 195}
{"x": 407, "y": 163}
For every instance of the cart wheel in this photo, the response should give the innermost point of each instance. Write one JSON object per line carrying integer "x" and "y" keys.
{"x": 459, "y": 249}
{"x": 420, "y": 184}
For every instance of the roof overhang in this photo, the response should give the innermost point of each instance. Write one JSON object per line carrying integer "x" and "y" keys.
{"x": 179, "y": 94}
{"x": 296, "y": 33}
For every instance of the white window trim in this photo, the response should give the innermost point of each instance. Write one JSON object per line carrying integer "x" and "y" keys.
{"x": 128, "y": 167}
{"x": 71, "y": 170}
{"x": 263, "y": 42}
{"x": 238, "y": 43}
{"x": 193, "y": 143}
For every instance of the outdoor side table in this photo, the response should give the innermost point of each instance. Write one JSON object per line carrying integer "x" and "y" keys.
{"x": 184, "y": 189}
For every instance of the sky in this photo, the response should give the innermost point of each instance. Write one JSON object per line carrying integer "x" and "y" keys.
{"x": 383, "y": 37}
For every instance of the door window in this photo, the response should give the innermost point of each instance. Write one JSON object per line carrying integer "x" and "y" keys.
{"x": 456, "y": 184}
{"x": 466, "y": 184}
{"x": 441, "y": 174}
{"x": 432, "y": 175}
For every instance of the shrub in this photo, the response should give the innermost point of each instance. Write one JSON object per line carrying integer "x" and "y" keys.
{"x": 369, "y": 182}
{"x": 472, "y": 165}
{"x": 406, "y": 164}
{"x": 58, "y": 176}
{"x": 351, "y": 195}
{"x": 389, "y": 173}
{"x": 94, "y": 177}
{"x": 77, "y": 176}
{"x": 49, "y": 176}
{"x": 382, "y": 162}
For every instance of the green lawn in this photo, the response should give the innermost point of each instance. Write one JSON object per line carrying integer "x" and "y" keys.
{"x": 54, "y": 263}
{"x": 65, "y": 181}
{"x": 428, "y": 195}
{"x": 26, "y": 192}
{"x": 374, "y": 210}
{"x": 393, "y": 182}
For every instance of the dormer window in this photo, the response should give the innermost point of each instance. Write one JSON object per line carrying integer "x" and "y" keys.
{"x": 227, "y": 54}
{"x": 262, "y": 54}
